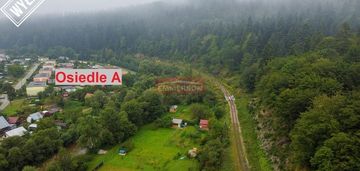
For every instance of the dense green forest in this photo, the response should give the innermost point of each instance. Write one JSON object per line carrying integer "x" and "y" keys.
{"x": 300, "y": 60}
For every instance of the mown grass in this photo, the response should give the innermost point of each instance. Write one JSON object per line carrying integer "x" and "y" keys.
{"x": 154, "y": 149}
{"x": 14, "y": 106}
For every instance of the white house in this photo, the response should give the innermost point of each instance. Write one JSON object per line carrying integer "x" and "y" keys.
{"x": 3, "y": 123}
{"x": 34, "y": 117}
{"x": 16, "y": 132}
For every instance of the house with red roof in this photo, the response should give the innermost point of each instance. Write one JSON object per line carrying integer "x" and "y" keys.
{"x": 13, "y": 120}
{"x": 204, "y": 124}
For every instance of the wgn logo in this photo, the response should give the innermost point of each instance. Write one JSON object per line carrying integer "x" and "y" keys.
{"x": 19, "y": 10}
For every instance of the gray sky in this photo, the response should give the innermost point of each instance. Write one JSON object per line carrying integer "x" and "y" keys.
{"x": 71, "y": 6}
{"x": 60, "y": 6}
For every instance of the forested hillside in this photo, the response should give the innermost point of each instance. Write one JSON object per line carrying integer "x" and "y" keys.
{"x": 309, "y": 101}
{"x": 300, "y": 60}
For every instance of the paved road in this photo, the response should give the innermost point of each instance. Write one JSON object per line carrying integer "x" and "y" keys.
{"x": 22, "y": 82}
{"x": 4, "y": 101}
{"x": 243, "y": 163}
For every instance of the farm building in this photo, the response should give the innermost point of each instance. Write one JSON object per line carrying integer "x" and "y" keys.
{"x": 35, "y": 87}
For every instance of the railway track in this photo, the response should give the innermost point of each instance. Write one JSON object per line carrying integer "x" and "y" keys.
{"x": 241, "y": 158}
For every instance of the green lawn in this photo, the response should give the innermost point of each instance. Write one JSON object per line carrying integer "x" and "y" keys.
{"x": 154, "y": 149}
{"x": 15, "y": 105}
{"x": 182, "y": 113}
{"x": 256, "y": 155}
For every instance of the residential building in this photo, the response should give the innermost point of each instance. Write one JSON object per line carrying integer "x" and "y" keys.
{"x": 13, "y": 120}
{"x": 68, "y": 89}
{"x": 34, "y": 117}
{"x": 16, "y": 132}
{"x": 64, "y": 58}
{"x": 3, "y": 123}
{"x": 43, "y": 59}
{"x": 48, "y": 71}
{"x": 35, "y": 87}
{"x": 49, "y": 64}
{"x": 42, "y": 77}
{"x": 66, "y": 65}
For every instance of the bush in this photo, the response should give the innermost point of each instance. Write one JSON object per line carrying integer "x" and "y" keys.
{"x": 128, "y": 145}
{"x": 164, "y": 122}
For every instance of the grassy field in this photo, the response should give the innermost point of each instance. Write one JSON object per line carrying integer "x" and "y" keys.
{"x": 182, "y": 113}
{"x": 11, "y": 110}
{"x": 154, "y": 149}
{"x": 256, "y": 155}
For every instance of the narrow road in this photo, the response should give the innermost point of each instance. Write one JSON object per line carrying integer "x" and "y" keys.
{"x": 4, "y": 97}
{"x": 241, "y": 157}
{"x": 4, "y": 101}
{"x": 22, "y": 82}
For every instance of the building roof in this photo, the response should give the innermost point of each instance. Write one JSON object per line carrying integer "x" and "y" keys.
{"x": 33, "y": 126}
{"x": 177, "y": 121}
{"x": 16, "y": 132}
{"x": 3, "y": 123}
{"x": 42, "y": 75}
{"x": 13, "y": 120}
{"x": 67, "y": 87}
{"x": 45, "y": 69}
{"x": 36, "y": 116}
{"x": 204, "y": 122}
{"x": 37, "y": 84}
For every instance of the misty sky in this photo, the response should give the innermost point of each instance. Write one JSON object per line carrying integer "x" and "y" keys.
{"x": 71, "y": 6}
{"x": 60, "y": 6}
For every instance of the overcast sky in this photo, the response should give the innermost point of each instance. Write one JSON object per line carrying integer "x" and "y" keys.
{"x": 66, "y": 6}
{"x": 60, "y": 6}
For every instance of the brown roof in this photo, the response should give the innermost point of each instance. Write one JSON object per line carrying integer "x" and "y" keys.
{"x": 204, "y": 122}
{"x": 13, "y": 120}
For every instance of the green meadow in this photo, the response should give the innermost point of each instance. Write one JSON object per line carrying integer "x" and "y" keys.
{"x": 154, "y": 149}
{"x": 14, "y": 106}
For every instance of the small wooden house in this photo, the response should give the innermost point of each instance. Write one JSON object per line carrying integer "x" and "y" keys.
{"x": 204, "y": 124}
